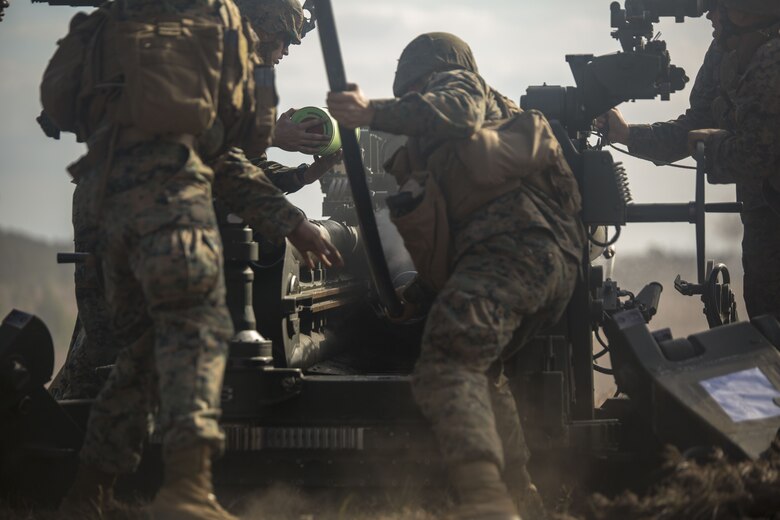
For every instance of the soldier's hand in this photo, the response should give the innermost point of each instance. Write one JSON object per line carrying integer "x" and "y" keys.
{"x": 295, "y": 137}
{"x": 415, "y": 302}
{"x": 321, "y": 165}
{"x": 351, "y": 108}
{"x": 613, "y": 126}
{"x": 307, "y": 239}
{"x": 704, "y": 135}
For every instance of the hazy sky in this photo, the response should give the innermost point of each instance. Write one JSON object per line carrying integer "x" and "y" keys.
{"x": 516, "y": 43}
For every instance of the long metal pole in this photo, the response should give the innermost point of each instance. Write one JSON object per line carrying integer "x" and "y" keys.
{"x": 700, "y": 209}
{"x": 353, "y": 163}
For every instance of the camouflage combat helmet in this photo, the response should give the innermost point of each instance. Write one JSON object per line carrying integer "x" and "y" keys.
{"x": 760, "y": 7}
{"x": 274, "y": 17}
{"x": 431, "y": 52}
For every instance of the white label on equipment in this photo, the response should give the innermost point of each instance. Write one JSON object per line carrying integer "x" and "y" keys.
{"x": 745, "y": 396}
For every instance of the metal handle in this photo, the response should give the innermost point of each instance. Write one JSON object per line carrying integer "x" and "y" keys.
{"x": 353, "y": 162}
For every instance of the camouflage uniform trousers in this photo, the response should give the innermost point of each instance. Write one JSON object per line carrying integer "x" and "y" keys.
{"x": 241, "y": 186}
{"x": 94, "y": 345}
{"x": 162, "y": 266}
{"x": 501, "y": 292}
{"x": 761, "y": 261}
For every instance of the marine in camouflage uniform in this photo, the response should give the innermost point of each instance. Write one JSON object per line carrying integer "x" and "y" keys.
{"x": 668, "y": 141}
{"x": 161, "y": 257}
{"x": 513, "y": 269}
{"x": 279, "y": 24}
{"x": 94, "y": 344}
{"x": 748, "y": 151}
{"x": 736, "y": 91}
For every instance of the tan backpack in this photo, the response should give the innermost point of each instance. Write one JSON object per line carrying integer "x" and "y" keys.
{"x": 61, "y": 86}
{"x": 167, "y": 76}
{"x": 172, "y": 69}
{"x": 464, "y": 174}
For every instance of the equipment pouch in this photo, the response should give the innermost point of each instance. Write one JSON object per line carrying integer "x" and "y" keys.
{"x": 62, "y": 80}
{"x": 519, "y": 150}
{"x": 172, "y": 72}
{"x": 426, "y": 232}
{"x": 508, "y": 148}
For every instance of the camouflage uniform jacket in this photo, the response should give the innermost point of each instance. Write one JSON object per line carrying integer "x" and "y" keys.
{"x": 246, "y": 191}
{"x": 286, "y": 178}
{"x": 241, "y": 186}
{"x": 454, "y": 105}
{"x": 749, "y": 109}
{"x": 668, "y": 141}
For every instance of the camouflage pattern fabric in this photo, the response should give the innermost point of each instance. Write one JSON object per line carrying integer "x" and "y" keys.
{"x": 289, "y": 179}
{"x": 760, "y": 261}
{"x": 161, "y": 260}
{"x": 510, "y": 276}
{"x": 510, "y": 432}
{"x": 749, "y": 108}
{"x": 764, "y": 7}
{"x": 501, "y": 292}
{"x": 94, "y": 346}
{"x": 749, "y": 154}
{"x": 454, "y": 105}
{"x": 738, "y": 87}
{"x": 239, "y": 185}
{"x": 162, "y": 265}
{"x": 431, "y": 52}
{"x": 668, "y": 141}
{"x": 450, "y": 105}
{"x": 246, "y": 191}
{"x": 274, "y": 17}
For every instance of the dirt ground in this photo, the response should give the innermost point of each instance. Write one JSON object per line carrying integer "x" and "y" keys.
{"x": 707, "y": 487}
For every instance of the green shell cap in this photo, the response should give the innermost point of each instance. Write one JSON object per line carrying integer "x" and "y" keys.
{"x": 428, "y": 53}
{"x": 761, "y": 7}
{"x": 329, "y": 128}
{"x": 274, "y": 17}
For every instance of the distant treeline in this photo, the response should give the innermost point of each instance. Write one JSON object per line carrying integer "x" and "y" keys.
{"x": 31, "y": 281}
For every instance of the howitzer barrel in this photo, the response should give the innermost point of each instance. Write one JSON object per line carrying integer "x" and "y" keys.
{"x": 345, "y": 238}
{"x": 676, "y": 212}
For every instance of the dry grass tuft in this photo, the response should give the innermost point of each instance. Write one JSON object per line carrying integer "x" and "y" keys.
{"x": 712, "y": 488}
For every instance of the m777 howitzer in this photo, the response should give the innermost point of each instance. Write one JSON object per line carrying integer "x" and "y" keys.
{"x": 323, "y": 398}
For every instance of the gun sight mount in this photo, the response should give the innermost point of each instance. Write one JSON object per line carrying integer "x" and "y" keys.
{"x": 643, "y": 70}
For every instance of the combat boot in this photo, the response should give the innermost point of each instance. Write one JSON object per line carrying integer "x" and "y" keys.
{"x": 527, "y": 498}
{"x": 187, "y": 492}
{"x": 91, "y": 496}
{"x": 482, "y": 493}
